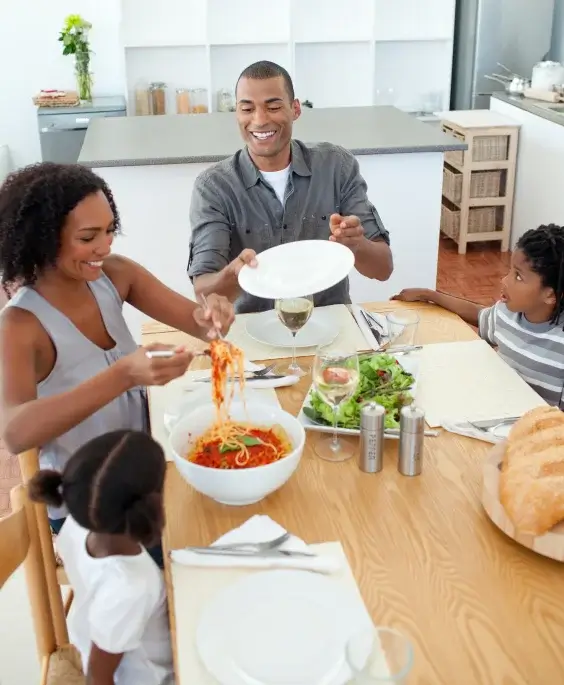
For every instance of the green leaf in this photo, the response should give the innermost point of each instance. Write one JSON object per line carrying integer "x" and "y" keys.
{"x": 247, "y": 440}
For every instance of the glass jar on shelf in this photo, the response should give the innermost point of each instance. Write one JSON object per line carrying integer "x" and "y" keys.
{"x": 142, "y": 100}
{"x": 157, "y": 91}
{"x": 225, "y": 101}
{"x": 199, "y": 101}
{"x": 182, "y": 101}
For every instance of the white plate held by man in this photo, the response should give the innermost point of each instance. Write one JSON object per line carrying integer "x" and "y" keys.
{"x": 304, "y": 267}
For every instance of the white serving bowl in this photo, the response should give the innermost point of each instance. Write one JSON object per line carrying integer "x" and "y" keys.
{"x": 236, "y": 487}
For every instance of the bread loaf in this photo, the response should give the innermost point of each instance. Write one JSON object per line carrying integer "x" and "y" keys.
{"x": 532, "y": 474}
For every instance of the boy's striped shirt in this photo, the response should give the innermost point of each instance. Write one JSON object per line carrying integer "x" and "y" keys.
{"x": 534, "y": 350}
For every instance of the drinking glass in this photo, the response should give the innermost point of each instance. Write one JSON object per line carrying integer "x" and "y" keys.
{"x": 294, "y": 313}
{"x": 402, "y": 326}
{"x": 335, "y": 377}
{"x": 378, "y": 656}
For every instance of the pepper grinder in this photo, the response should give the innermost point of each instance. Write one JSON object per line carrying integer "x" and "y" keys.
{"x": 372, "y": 417}
{"x": 412, "y": 432}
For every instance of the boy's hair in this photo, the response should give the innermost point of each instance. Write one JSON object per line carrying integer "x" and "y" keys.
{"x": 112, "y": 484}
{"x": 264, "y": 70}
{"x": 34, "y": 204}
{"x": 544, "y": 249}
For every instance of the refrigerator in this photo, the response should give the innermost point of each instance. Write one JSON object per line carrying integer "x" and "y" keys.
{"x": 516, "y": 33}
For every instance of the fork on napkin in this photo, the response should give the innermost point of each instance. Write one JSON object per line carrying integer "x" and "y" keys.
{"x": 466, "y": 429}
{"x": 382, "y": 327}
{"x": 259, "y": 528}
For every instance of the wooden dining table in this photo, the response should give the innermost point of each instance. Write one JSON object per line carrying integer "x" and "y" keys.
{"x": 478, "y": 608}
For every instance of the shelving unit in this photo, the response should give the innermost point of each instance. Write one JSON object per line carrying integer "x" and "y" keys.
{"x": 478, "y": 184}
{"x": 361, "y": 52}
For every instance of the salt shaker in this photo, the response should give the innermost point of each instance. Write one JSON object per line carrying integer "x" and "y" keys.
{"x": 372, "y": 417}
{"x": 412, "y": 432}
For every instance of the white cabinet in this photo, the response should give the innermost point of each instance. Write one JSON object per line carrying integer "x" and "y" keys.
{"x": 358, "y": 52}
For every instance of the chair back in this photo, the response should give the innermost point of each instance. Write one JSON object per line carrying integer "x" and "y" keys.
{"x": 19, "y": 544}
{"x": 29, "y": 466}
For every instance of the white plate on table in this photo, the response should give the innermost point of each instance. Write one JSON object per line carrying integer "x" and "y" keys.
{"x": 280, "y": 628}
{"x": 267, "y": 328}
{"x": 303, "y": 267}
{"x": 410, "y": 362}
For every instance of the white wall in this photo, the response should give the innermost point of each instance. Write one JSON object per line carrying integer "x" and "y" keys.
{"x": 31, "y": 59}
{"x": 558, "y": 32}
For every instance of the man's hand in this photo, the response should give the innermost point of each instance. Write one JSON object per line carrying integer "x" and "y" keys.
{"x": 346, "y": 230}
{"x": 225, "y": 282}
{"x": 248, "y": 257}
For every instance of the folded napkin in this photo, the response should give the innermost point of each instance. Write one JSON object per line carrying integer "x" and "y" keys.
{"x": 370, "y": 339}
{"x": 259, "y": 528}
{"x": 469, "y": 431}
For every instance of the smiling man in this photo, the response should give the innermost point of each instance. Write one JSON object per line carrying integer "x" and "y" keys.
{"x": 277, "y": 190}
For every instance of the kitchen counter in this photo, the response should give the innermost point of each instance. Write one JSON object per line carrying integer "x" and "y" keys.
{"x": 198, "y": 138}
{"x": 540, "y": 173}
{"x": 537, "y": 107}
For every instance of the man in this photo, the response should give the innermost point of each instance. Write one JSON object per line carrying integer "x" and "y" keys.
{"x": 276, "y": 190}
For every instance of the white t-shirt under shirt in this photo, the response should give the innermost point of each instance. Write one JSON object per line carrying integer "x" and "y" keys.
{"x": 278, "y": 180}
{"x": 120, "y": 605}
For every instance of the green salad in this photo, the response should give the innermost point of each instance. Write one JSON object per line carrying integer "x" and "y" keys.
{"x": 382, "y": 380}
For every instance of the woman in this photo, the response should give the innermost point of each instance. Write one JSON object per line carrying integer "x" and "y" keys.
{"x": 70, "y": 368}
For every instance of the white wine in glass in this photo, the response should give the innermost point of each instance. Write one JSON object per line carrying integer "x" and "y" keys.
{"x": 294, "y": 313}
{"x": 335, "y": 378}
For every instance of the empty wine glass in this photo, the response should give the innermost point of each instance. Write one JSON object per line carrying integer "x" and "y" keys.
{"x": 335, "y": 378}
{"x": 294, "y": 313}
{"x": 402, "y": 326}
{"x": 379, "y": 656}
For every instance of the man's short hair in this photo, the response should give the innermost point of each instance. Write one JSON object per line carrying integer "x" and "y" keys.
{"x": 265, "y": 69}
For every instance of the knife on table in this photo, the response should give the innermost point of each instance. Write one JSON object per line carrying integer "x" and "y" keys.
{"x": 268, "y": 554}
{"x": 247, "y": 378}
{"x": 377, "y": 335}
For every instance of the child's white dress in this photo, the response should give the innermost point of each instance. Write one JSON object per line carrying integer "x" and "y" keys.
{"x": 120, "y": 605}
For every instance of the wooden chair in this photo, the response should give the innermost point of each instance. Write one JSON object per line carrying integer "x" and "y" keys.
{"x": 20, "y": 543}
{"x": 54, "y": 572}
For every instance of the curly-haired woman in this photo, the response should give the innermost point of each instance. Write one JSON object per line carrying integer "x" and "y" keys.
{"x": 70, "y": 368}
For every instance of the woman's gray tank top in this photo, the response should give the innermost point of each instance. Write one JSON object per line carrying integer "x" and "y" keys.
{"x": 79, "y": 359}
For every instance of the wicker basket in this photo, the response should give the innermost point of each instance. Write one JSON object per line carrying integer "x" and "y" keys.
{"x": 480, "y": 220}
{"x": 482, "y": 184}
{"x": 482, "y": 148}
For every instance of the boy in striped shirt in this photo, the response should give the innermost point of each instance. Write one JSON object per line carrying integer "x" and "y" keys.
{"x": 526, "y": 324}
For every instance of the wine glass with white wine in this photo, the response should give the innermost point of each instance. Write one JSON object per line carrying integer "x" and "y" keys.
{"x": 335, "y": 378}
{"x": 294, "y": 313}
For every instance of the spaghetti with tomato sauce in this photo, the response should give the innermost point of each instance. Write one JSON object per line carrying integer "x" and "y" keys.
{"x": 228, "y": 444}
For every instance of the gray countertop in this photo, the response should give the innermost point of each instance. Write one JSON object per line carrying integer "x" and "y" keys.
{"x": 196, "y": 138}
{"x": 537, "y": 107}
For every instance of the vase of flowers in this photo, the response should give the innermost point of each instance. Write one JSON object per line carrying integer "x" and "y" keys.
{"x": 74, "y": 37}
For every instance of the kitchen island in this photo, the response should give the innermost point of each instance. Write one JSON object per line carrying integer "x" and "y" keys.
{"x": 540, "y": 173}
{"x": 150, "y": 163}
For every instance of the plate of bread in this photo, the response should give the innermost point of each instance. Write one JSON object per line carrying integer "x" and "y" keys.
{"x": 523, "y": 482}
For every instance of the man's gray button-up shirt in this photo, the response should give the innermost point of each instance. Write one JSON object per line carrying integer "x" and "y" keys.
{"x": 234, "y": 208}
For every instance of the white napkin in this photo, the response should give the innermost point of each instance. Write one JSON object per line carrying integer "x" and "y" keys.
{"x": 370, "y": 339}
{"x": 259, "y": 528}
{"x": 469, "y": 431}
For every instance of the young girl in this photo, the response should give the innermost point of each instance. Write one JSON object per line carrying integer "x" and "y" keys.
{"x": 527, "y": 323}
{"x": 112, "y": 487}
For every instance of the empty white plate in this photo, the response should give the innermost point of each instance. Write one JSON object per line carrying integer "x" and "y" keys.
{"x": 304, "y": 267}
{"x": 280, "y": 628}
{"x": 267, "y": 328}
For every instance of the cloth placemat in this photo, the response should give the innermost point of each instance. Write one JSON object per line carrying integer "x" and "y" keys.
{"x": 349, "y": 336}
{"x": 162, "y": 397}
{"x": 194, "y": 587}
{"x": 461, "y": 381}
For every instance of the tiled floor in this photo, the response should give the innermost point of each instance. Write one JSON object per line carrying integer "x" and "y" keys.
{"x": 475, "y": 275}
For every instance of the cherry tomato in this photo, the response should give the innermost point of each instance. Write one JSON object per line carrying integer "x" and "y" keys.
{"x": 335, "y": 375}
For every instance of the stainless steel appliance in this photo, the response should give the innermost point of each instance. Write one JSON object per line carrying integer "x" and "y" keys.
{"x": 62, "y": 129}
{"x": 515, "y": 33}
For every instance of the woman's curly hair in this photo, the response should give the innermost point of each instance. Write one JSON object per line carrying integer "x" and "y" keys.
{"x": 34, "y": 203}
